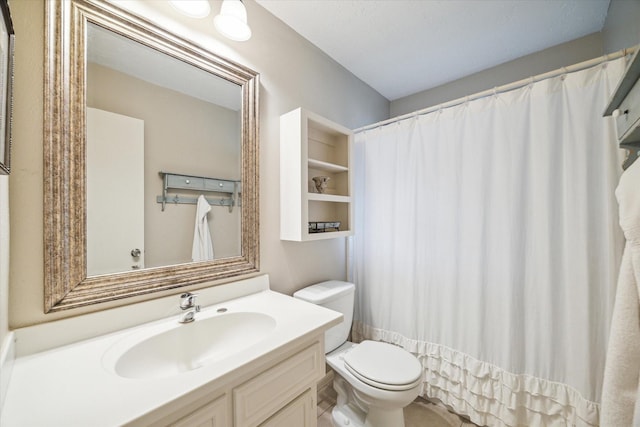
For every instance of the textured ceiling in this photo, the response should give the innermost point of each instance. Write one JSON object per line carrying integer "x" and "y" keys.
{"x": 401, "y": 47}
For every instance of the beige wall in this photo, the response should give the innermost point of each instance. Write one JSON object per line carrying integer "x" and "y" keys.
{"x": 564, "y": 54}
{"x": 182, "y": 135}
{"x": 622, "y": 26}
{"x": 25, "y": 192}
{"x": 293, "y": 73}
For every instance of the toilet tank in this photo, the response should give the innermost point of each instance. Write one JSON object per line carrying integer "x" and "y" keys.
{"x": 335, "y": 295}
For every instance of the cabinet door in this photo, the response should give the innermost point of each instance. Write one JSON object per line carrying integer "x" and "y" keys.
{"x": 299, "y": 413}
{"x": 262, "y": 396}
{"x": 213, "y": 414}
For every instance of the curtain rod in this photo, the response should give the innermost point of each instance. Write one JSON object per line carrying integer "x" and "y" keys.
{"x": 505, "y": 88}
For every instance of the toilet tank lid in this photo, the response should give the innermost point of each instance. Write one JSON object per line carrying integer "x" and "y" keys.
{"x": 323, "y": 292}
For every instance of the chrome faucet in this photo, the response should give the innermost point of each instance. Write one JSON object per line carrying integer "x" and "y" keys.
{"x": 188, "y": 305}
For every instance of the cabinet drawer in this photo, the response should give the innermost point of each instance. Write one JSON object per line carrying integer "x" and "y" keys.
{"x": 219, "y": 185}
{"x": 262, "y": 396}
{"x": 187, "y": 182}
{"x": 631, "y": 104}
{"x": 299, "y": 413}
{"x": 213, "y": 414}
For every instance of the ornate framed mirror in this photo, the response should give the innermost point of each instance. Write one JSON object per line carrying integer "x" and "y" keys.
{"x": 78, "y": 54}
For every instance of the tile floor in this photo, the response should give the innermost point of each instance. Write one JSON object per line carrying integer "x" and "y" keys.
{"x": 421, "y": 413}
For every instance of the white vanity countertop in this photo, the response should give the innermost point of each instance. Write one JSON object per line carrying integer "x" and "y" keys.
{"x": 70, "y": 386}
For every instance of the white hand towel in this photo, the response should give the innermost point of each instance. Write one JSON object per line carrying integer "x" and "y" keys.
{"x": 202, "y": 245}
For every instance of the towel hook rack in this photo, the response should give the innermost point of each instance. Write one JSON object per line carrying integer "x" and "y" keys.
{"x": 199, "y": 184}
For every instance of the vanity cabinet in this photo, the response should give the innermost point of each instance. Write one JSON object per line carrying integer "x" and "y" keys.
{"x": 226, "y": 378}
{"x": 213, "y": 414}
{"x": 280, "y": 394}
{"x": 255, "y": 400}
{"x": 625, "y": 107}
{"x": 301, "y": 412}
{"x": 314, "y": 147}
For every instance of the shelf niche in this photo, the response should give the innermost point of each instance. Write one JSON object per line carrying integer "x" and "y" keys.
{"x": 311, "y": 146}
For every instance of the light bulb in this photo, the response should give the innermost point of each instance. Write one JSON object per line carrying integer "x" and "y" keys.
{"x": 192, "y": 8}
{"x": 232, "y": 21}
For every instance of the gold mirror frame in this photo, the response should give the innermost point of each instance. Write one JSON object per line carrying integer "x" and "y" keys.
{"x": 66, "y": 283}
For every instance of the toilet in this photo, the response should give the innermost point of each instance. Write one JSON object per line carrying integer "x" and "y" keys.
{"x": 374, "y": 380}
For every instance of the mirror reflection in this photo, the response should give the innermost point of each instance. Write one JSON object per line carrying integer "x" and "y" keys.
{"x": 160, "y": 133}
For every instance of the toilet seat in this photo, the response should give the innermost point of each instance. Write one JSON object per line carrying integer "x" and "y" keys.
{"x": 383, "y": 366}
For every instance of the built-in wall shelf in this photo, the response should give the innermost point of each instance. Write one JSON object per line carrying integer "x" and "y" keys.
{"x": 329, "y": 198}
{"x": 624, "y": 105}
{"x": 312, "y": 146}
{"x": 329, "y": 167}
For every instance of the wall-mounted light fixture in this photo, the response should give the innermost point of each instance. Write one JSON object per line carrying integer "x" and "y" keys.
{"x": 232, "y": 21}
{"x": 192, "y": 8}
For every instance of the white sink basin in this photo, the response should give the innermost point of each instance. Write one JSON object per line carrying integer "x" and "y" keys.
{"x": 173, "y": 348}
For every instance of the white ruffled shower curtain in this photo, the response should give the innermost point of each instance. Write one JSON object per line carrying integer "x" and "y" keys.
{"x": 487, "y": 243}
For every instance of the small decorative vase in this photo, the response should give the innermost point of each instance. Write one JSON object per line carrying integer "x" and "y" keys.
{"x": 320, "y": 183}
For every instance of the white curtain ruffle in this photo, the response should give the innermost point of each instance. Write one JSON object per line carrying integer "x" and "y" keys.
{"x": 487, "y": 394}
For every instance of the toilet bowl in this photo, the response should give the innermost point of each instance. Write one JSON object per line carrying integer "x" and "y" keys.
{"x": 374, "y": 381}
